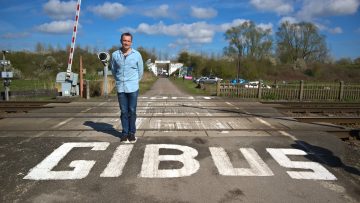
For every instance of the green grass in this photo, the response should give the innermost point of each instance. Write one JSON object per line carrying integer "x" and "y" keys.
{"x": 22, "y": 85}
{"x": 190, "y": 87}
{"x": 147, "y": 83}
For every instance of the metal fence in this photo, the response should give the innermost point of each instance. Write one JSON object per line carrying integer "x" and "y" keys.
{"x": 300, "y": 91}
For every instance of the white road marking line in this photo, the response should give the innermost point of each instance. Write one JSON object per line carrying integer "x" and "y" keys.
{"x": 264, "y": 122}
{"x": 200, "y": 124}
{"x": 219, "y": 125}
{"x": 102, "y": 103}
{"x": 183, "y": 125}
{"x": 155, "y": 124}
{"x": 207, "y": 97}
{"x": 288, "y": 135}
{"x": 139, "y": 122}
{"x": 230, "y": 104}
{"x": 169, "y": 125}
{"x": 62, "y": 123}
{"x": 86, "y": 110}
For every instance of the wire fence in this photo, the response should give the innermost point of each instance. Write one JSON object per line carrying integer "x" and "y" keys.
{"x": 299, "y": 91}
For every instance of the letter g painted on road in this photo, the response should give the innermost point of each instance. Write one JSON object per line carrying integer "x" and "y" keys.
{"x": 43, "y": 171}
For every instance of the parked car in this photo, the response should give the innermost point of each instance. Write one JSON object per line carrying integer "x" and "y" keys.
{"x": 209, "y": 80}
{"x": 254, "y": 84}
{"x": 240, "y": 81}
{"x": 197, "y": 80}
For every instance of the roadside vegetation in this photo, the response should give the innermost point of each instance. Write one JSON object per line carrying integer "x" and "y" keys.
{"x": 295, "y": 52}
{"x": 190, "y": 87}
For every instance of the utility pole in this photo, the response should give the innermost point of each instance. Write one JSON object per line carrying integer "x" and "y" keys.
{"x": 6, "y": 75}
{"x": 238, "y": 66}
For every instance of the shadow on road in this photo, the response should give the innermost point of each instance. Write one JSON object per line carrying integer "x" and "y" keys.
{"x": 103, "y": 127}
{"x": 324, "y": 156}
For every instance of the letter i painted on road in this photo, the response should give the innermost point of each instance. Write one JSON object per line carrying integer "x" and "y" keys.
{"x": 43, "y": 171}
{"x": 117, "y": 162}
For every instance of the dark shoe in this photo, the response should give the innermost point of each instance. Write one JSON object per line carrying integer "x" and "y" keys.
{"x": 124, "y": 139}
{"x": 132, "y": 138}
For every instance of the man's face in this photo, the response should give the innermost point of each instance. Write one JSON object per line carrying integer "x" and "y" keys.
{"x": 126, "y": 42}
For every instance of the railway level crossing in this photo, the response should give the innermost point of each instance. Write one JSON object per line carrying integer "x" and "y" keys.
{"x": 190, "y": 149}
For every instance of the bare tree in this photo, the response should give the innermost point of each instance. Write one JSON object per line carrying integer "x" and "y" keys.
{"x": 247, "y": 40}
{"x": 300, "y": 41}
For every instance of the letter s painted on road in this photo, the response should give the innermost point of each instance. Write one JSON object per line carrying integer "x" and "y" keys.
{"x": 318, "y": 171}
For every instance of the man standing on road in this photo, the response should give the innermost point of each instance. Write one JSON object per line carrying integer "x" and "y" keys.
{"x": 127, "y": 68}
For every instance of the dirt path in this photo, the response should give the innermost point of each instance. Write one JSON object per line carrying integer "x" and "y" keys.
{"x": 164, "y": 87}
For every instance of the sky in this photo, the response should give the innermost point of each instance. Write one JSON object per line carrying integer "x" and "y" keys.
{"x": 169, "y": 27}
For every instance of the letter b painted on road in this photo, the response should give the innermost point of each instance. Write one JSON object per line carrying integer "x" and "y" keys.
{"x": 152, "y": 159}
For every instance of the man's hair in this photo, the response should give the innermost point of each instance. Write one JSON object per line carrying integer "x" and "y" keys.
{"x": 126, "y": 34}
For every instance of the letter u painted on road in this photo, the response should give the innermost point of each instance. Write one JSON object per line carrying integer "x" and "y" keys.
{"x": 257, "y": 165}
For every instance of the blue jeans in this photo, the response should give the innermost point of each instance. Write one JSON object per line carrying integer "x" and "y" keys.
{"x": 128, "y": 103}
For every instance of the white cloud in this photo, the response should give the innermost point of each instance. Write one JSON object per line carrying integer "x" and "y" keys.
{"x": 336, "y": 30}
{"x": 109, "y": 10}
{"x": 281, "y": 7}
{"x": 225, "y": 26}
{"x": 60, "y": 10}
{"x": 198, "y": 32}
{"x": 320, "y": 8}
{"x": 15, "y": 35}
{"x": 161, "y": 11}
{"x": 203, "y": 13}
{"x": 320, "y": 26}
{"x": 57, "y": 27}
{"x": 289, "y": 19}
{"x": 267, "y": 26}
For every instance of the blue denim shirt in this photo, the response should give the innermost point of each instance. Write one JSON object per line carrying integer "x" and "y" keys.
{"x": 127, "y": 71}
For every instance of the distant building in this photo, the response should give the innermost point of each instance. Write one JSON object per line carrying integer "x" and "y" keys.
{"x": 163, "y": 67}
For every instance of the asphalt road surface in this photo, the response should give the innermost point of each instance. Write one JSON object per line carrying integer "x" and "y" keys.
{"x": 189, "y": 149}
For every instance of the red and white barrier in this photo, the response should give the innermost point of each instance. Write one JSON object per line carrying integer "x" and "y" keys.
{"x": 71, "y": 54}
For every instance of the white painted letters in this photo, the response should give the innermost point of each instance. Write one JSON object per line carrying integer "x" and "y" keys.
{"x": 152, "y": 159}
{"x": 151, "y": 163}
{"x": 42, "y": 171}
{"x": 223, "y": 164}
{"x": 319, "y": 172}
{"x": 117, "y": 162}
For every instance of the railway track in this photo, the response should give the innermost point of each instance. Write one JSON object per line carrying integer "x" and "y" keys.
{"x": 345, "y": 115}
{"x": 24, "y": 106}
